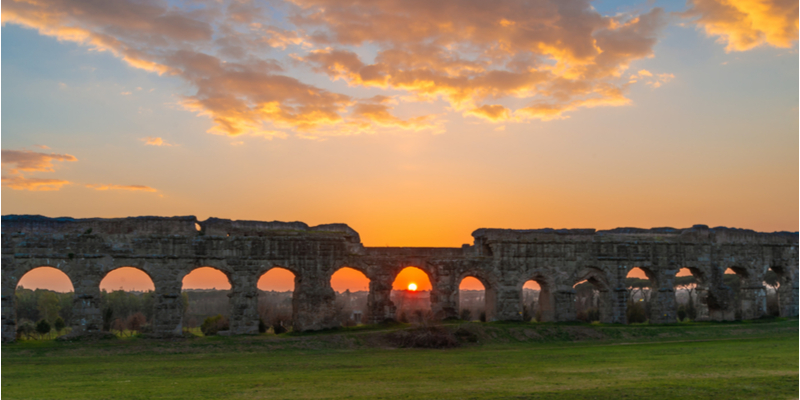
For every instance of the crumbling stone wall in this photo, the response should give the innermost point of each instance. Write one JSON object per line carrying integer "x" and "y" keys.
{"x": 168, "y": 249}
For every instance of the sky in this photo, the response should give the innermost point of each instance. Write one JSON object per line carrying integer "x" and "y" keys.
{"x": 413, "y": 122}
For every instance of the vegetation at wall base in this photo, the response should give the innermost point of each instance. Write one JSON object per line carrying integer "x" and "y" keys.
{"x": 754, "y": 359}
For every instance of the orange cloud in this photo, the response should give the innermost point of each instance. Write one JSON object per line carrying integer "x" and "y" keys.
{"x": 33, "y": 184}
{"x": 121, "y": 187}
{"x": 560, "y": 58}
{"x": 26, "y": 160}
{"x": 155, "y": 141}
{"x": 744, "y": 24}
{"x": 492, "y": 113}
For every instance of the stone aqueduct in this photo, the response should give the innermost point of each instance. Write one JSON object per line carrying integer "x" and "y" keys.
{"x": 167, "y": 249}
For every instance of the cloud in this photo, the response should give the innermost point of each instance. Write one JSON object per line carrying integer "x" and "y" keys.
{"x": 155, "y": 141}
{"x": 121, "y": 187}
{"x": 33, "y": 184}
{"x": 745, "y": 24}
{"x": 29, "y": 161}
{"x": 492, "y": 113}
{"x": 557, "y": 56}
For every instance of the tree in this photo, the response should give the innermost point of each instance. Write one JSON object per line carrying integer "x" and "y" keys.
{"x": 42, "y": 327}
{"x": 59, "y": 325}
{"x": 49, "y": 305}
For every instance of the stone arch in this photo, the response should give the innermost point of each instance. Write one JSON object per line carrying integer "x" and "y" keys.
{"x": 749, "y": 293}
{"x": 489, "y": 291}
{"x": 417, "y": 305}
{"x": 352, "y": 308}
{"x": 787, "y": 294}
{"x": 606, "y": 305}
{"x": 14, "y": 281}
{"x": 640, "y": 297}
{"x": 271, "y": 308}
{"x": 546, "y": 302}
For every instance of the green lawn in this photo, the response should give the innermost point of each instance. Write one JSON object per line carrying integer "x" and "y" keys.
{"x": 716, "y": 361}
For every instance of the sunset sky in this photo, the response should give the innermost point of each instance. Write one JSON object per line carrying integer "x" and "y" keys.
{"x": 414, "y": 122}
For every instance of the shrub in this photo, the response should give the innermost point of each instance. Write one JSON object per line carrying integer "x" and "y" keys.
{"x": 636, "y": 313}
{"x": 26, "y": 328}
{"x": 136, "y": 321}
{"x": 682, "y": 312}
{"x": 483, "y": 316}
{"x": 262, "y": 326}
{"x": 278, "y": 329}
{"x": 431, "y": 337}
{"x": 42, "y": 327}
{"x": 59, "y": 324}
{"x": 212, "y": 325}
{"x": 466, "y": 315}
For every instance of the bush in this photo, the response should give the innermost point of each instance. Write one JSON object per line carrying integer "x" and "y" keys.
{"x": 136, "y": 321}
{"x": 682, "y": 312}
{"x": 431, "y": 337}
{"x": 59, "y": 324}
{"x": 42, "y": 327}
{"x": 25, "y": 328}
{"x": 636, "y": 313}
{"x": 212, "y": 325}
{"x": 466, "y": 315}
{"x": 262, "y": 326}
{"x": 483, "y": 316}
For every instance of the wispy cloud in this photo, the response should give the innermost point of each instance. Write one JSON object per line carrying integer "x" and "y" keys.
{"x": 28, "y": 161}
{"x": 20, "y": 182}
{"x": 121, "y": 187}
{"x": 745, "y": 24}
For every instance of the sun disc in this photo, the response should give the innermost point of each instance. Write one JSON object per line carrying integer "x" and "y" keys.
{"x": 412, "y": 286}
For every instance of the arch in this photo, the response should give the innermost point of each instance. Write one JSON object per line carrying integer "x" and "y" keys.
{"x": 412, "y": 305}
{"x": 48, "y": 296}
{"x": 593, "y": 296}
{"x": 351, "y": 287}
{"x": 688, "y": 284}
{"x": 536, "y": 295}
{"x": 276, "y": 300}
{"x": 639, "y": 284}
{"x": 472, "y": 299}
{"x": 205, "y": 292}
{"x": 127, "y": 302}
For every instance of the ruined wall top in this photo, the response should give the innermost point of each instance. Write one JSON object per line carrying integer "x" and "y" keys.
{"x": 190, "y": 226}
{"x": 183, "y": 226}
{"x": 695, "y": 234}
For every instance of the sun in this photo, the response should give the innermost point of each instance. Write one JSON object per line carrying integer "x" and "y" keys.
{"x": 412, "y": 287}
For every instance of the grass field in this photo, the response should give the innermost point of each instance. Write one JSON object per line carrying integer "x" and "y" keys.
{"x": 510, "y": 360}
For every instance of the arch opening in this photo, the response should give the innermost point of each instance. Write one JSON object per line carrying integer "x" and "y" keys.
{"x": 773, "y": 281}
{"x": 127, "y": 301}
{"x": 276, "y": 299}
{"x": 587, "y": 301}
{"x": 537, "y": 302}
{"x": 205, "y": 294}
{"x": 352, "y": 295}
{"x": 472, "y": 299}
{"x": 639, "y": 283}
{"x": 689, "y": 290}
{"x": 411, "y": 295}
{"x": 43, "y": 294}
{"x": 734, "y": 278}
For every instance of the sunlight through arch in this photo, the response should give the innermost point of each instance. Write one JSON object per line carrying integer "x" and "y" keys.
{"x": 412, "y": 305}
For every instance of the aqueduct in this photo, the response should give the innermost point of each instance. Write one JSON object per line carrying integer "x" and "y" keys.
{"x": 169, "y": 248}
